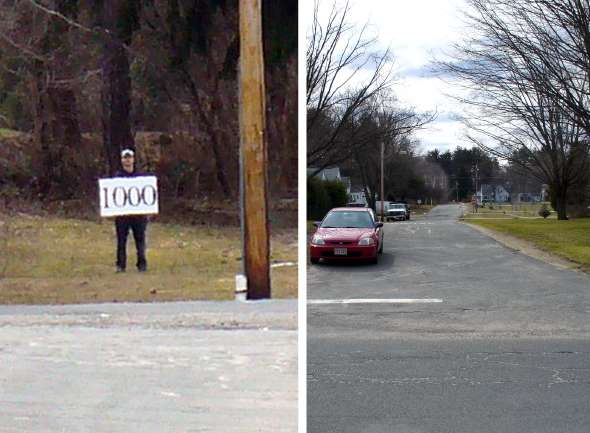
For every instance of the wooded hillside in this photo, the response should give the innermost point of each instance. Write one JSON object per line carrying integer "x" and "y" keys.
{"x": 79, "y": 80}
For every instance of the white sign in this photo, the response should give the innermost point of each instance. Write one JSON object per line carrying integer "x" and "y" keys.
{"x": 128, "y": 196}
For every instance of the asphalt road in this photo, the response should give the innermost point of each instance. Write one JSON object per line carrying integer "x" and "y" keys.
{"x": 506, "y": 351}
{"x": 172, "y": 367}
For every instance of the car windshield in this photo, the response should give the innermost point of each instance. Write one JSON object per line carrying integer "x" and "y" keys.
{"x": 397, "y": 206}
{"x": 348, "y": 219}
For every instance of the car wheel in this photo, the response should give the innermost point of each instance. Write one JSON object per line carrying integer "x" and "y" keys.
{"x": 314, "y": 261}
{"x": 380, "y": 248}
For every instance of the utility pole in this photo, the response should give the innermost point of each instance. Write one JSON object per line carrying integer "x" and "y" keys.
{"x": 477, "y": 176}
{"x": 457, "y": 188}
{"x": 475, "y": 171}
{"x": 253, "y": 153}
{"x": 382, "y": 182}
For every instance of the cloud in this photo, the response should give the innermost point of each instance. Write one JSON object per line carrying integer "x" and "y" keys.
{"x": 418, "y": 33}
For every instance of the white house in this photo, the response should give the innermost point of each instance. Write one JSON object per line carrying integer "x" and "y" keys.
{"x": 492, "y": 193}
{"x": 527, "y": 197}
{"x": 332, "y": 173}
{"x": 357, "y": 197}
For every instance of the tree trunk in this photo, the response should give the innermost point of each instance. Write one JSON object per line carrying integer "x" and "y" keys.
{"x": 66, "y": 127}
{"x": 56, "y": 126}
{"x": 44, "y": 160}
{"x": 57, "y": 134}
{"x": 64, "y": 138}
{"x": 558, "y": 195}
{"x": 220, "y": 168}
{"x": 219, "y": 162}
{"x": 116, "y": 91}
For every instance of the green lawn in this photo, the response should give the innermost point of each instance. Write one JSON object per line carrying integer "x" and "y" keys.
{"x": 507, "y": 211}
{"x": 56, "y": 260}
{"x": 569, "y": 239}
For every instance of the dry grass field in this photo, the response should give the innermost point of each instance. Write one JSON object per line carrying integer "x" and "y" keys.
{"x": 51, "y": 260}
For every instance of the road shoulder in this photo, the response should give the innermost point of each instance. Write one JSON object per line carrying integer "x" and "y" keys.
{"x": 205, "y": 315}
{"x": 527, "y": 248}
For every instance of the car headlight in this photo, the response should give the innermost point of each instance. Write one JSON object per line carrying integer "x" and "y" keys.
{"x": 316, "y": 240}
{"x": 367, "y": 241}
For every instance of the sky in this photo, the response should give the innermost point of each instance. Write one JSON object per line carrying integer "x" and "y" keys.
{"x": 418, "y": 32}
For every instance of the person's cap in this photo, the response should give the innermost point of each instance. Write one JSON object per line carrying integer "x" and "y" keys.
{"x": 127, "y": 152}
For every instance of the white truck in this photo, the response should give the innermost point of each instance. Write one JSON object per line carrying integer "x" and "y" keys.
{"x": 397, "y": 212}
{"x": 378, "y": 205}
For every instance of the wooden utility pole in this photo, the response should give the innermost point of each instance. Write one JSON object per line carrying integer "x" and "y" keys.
{"x": 254, "y": 153}
{"x": 382, "y": 182}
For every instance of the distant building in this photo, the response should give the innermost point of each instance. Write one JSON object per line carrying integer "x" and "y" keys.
{"x": 493, "y": 194}
{"x": 527, "y": 197}
{"x": 332, "y": 173}
{"x": 357, "y": 197}
{"x": 347, "y": 183}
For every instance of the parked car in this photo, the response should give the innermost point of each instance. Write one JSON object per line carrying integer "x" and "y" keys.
{"x": 408, "y": 211}
{"x": 380, "y": 203}
{"x": 349, "y": 233}
{"x": 396, "y": 212}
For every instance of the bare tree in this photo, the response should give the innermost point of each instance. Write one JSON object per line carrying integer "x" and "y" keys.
{"x": 44, "y": 53}
{"x": 337, "y": 52}
{"x": 192, "y": 75}
{"x": 120, "y": 19}
{"x": 518, "y": 101}
{"x": 560, "y": 48}
{"x": 381, "y": 121}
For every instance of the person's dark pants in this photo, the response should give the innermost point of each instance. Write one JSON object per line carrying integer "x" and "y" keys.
{"x": 137, "y": 226}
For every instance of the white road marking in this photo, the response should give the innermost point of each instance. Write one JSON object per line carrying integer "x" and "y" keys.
{"x": 374, "y": 301}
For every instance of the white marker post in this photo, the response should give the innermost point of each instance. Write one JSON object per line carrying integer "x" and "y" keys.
{"x": 128, "y": 196}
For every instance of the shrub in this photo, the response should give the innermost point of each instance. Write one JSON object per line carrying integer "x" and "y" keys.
{"x": 323, "y": 196}
{"x": 544, "y": 211}
{"x": 318, "y": 200}
{"x": 337, "y": 192}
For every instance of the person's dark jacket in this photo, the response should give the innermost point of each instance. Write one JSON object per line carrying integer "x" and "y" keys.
{"x": 134, "y": 173}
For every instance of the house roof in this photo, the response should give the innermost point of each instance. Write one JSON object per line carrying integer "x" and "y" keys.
{"x": 312, "y": 170}
{"x": 332, "y": 173}
{"x": 487, "y": 189}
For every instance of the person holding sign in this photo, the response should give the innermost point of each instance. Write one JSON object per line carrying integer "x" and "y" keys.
{"x": 136, "y": 223}
{"x": 129, "y": 197}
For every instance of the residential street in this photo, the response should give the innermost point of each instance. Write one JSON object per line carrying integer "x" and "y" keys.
{"x": 506, "y": 351}
{"x": 167, "y": 367}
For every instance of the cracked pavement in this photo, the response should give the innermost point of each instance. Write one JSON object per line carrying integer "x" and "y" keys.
{"x": 508, "y": 349}
{"x": 168, "y": 367}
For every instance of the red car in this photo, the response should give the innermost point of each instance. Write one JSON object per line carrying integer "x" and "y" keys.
{"x": 347, "y": 233}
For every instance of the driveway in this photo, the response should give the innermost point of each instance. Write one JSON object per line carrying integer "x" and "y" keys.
{"x": 489, "y": 340}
